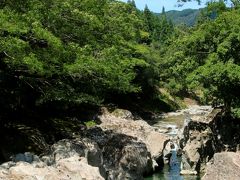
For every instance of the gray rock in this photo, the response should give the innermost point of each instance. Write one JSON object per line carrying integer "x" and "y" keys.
{"x": 71, "y": 168}
{"x": 123, "y": 113}
{"x": 188, "y": 172}
{"x": 7, "y": 165}
{"x": 123, "y": 156}
{"x": 198, "y": 143}
{"x": 82, "y": 147}
{"x": 25, "y": 157}
{"x": 226, "y": 165}
{"x": 205, "y": 136}
{"x": 97, "y": 155}
{"x": 138, "y": 129}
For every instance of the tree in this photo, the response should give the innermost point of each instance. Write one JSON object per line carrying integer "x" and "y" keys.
{"x": 132, "y": 3}
{"x": 220, "y": 72}
{"x": 165, "y": 27}
{"x": 148, "y": 19}
{"x": 206, "y": 59}
{"x": 72, "y": 52}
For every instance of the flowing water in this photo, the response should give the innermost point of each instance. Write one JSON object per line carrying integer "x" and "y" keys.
{"x": 172, "y": 125}
{"x": 171, "y": 172}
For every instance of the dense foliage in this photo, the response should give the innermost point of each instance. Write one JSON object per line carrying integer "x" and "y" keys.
{"x": 70, "y": 52}
{"x": 60, "y": 60}
{"x": 206, "y": 59}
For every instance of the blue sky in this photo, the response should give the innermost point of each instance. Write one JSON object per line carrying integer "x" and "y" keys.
{"x": 156, "y": 5}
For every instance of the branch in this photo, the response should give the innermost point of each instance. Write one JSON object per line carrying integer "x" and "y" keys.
{"x": 8, "y": 55}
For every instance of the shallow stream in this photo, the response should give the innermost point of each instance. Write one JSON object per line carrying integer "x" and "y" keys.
{"x": 171, "y": 173}
{"x": 172, "y": 125}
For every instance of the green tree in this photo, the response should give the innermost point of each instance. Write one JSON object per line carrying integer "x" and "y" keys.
{"x": 72, "y": 52}
{"x": 148, "y": 20}
{"x": 220, "y": 73}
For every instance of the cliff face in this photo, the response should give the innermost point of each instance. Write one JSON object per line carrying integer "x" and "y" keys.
{"x": 203, "y": 137}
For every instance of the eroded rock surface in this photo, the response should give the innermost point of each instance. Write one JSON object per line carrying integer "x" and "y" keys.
{"x": 198, "y": 143}
{"x": 123, "y": 156}
{"x": 98, "y": 155}
{"x": 72, "y": 168}
{"x": 205, "y": 136}
{"x": 225, "y": 165}
{"x": 138, "y": 129}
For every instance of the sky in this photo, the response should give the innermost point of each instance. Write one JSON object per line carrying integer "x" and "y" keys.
{"x": 156, "y": 5}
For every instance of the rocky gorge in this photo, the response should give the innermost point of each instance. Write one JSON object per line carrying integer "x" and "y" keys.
{"x": 126, "y": 147}
{"x": 208, "y": 139}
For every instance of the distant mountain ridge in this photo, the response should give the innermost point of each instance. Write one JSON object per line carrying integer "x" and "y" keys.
{"x": 187, "y": 16}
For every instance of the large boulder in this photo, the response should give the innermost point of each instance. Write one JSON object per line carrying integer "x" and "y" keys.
{"x": 139, "y": 129}
{"x": 97, "y": 155}
{"x": 205, "y": 135}
{"x": 122, "y": 113}
{"x": 198, "y": 149}
{"x": 82, "y": 147}
{"x": 117, "y": 156}
{"x": 72, "y": 168}
{"x": 123, "y": 156}
{"x": 79, "y": 158}
{"x": 198, "y": 143}
{"x": 225, "y": 165}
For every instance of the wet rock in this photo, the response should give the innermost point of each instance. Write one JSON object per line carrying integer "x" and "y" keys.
{"x": 225, "y": 165}
{"x": 169, "y": 147}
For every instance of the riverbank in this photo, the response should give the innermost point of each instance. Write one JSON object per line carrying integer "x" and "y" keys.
{"x": 118, "y": 135}
{"x": 123, "y": 146}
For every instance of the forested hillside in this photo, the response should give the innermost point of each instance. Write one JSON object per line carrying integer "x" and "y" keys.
{"x": 186, "y": 16}
{"x": 205, "y": 59}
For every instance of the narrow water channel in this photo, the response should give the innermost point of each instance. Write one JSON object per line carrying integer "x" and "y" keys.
{"x": 171, "y": 172}
{"x": 172, "y": 125}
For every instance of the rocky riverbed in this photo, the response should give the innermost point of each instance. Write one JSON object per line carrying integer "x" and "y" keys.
{"x": 126, "y": 147}
{"x": 202, "y": 134}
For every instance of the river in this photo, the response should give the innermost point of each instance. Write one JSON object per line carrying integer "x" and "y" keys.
{"x": 172, "y": 124}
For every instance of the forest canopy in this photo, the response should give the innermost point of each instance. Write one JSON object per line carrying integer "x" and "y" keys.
{"x": 72, "y": 53}
{"x": 76, "y": 52}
